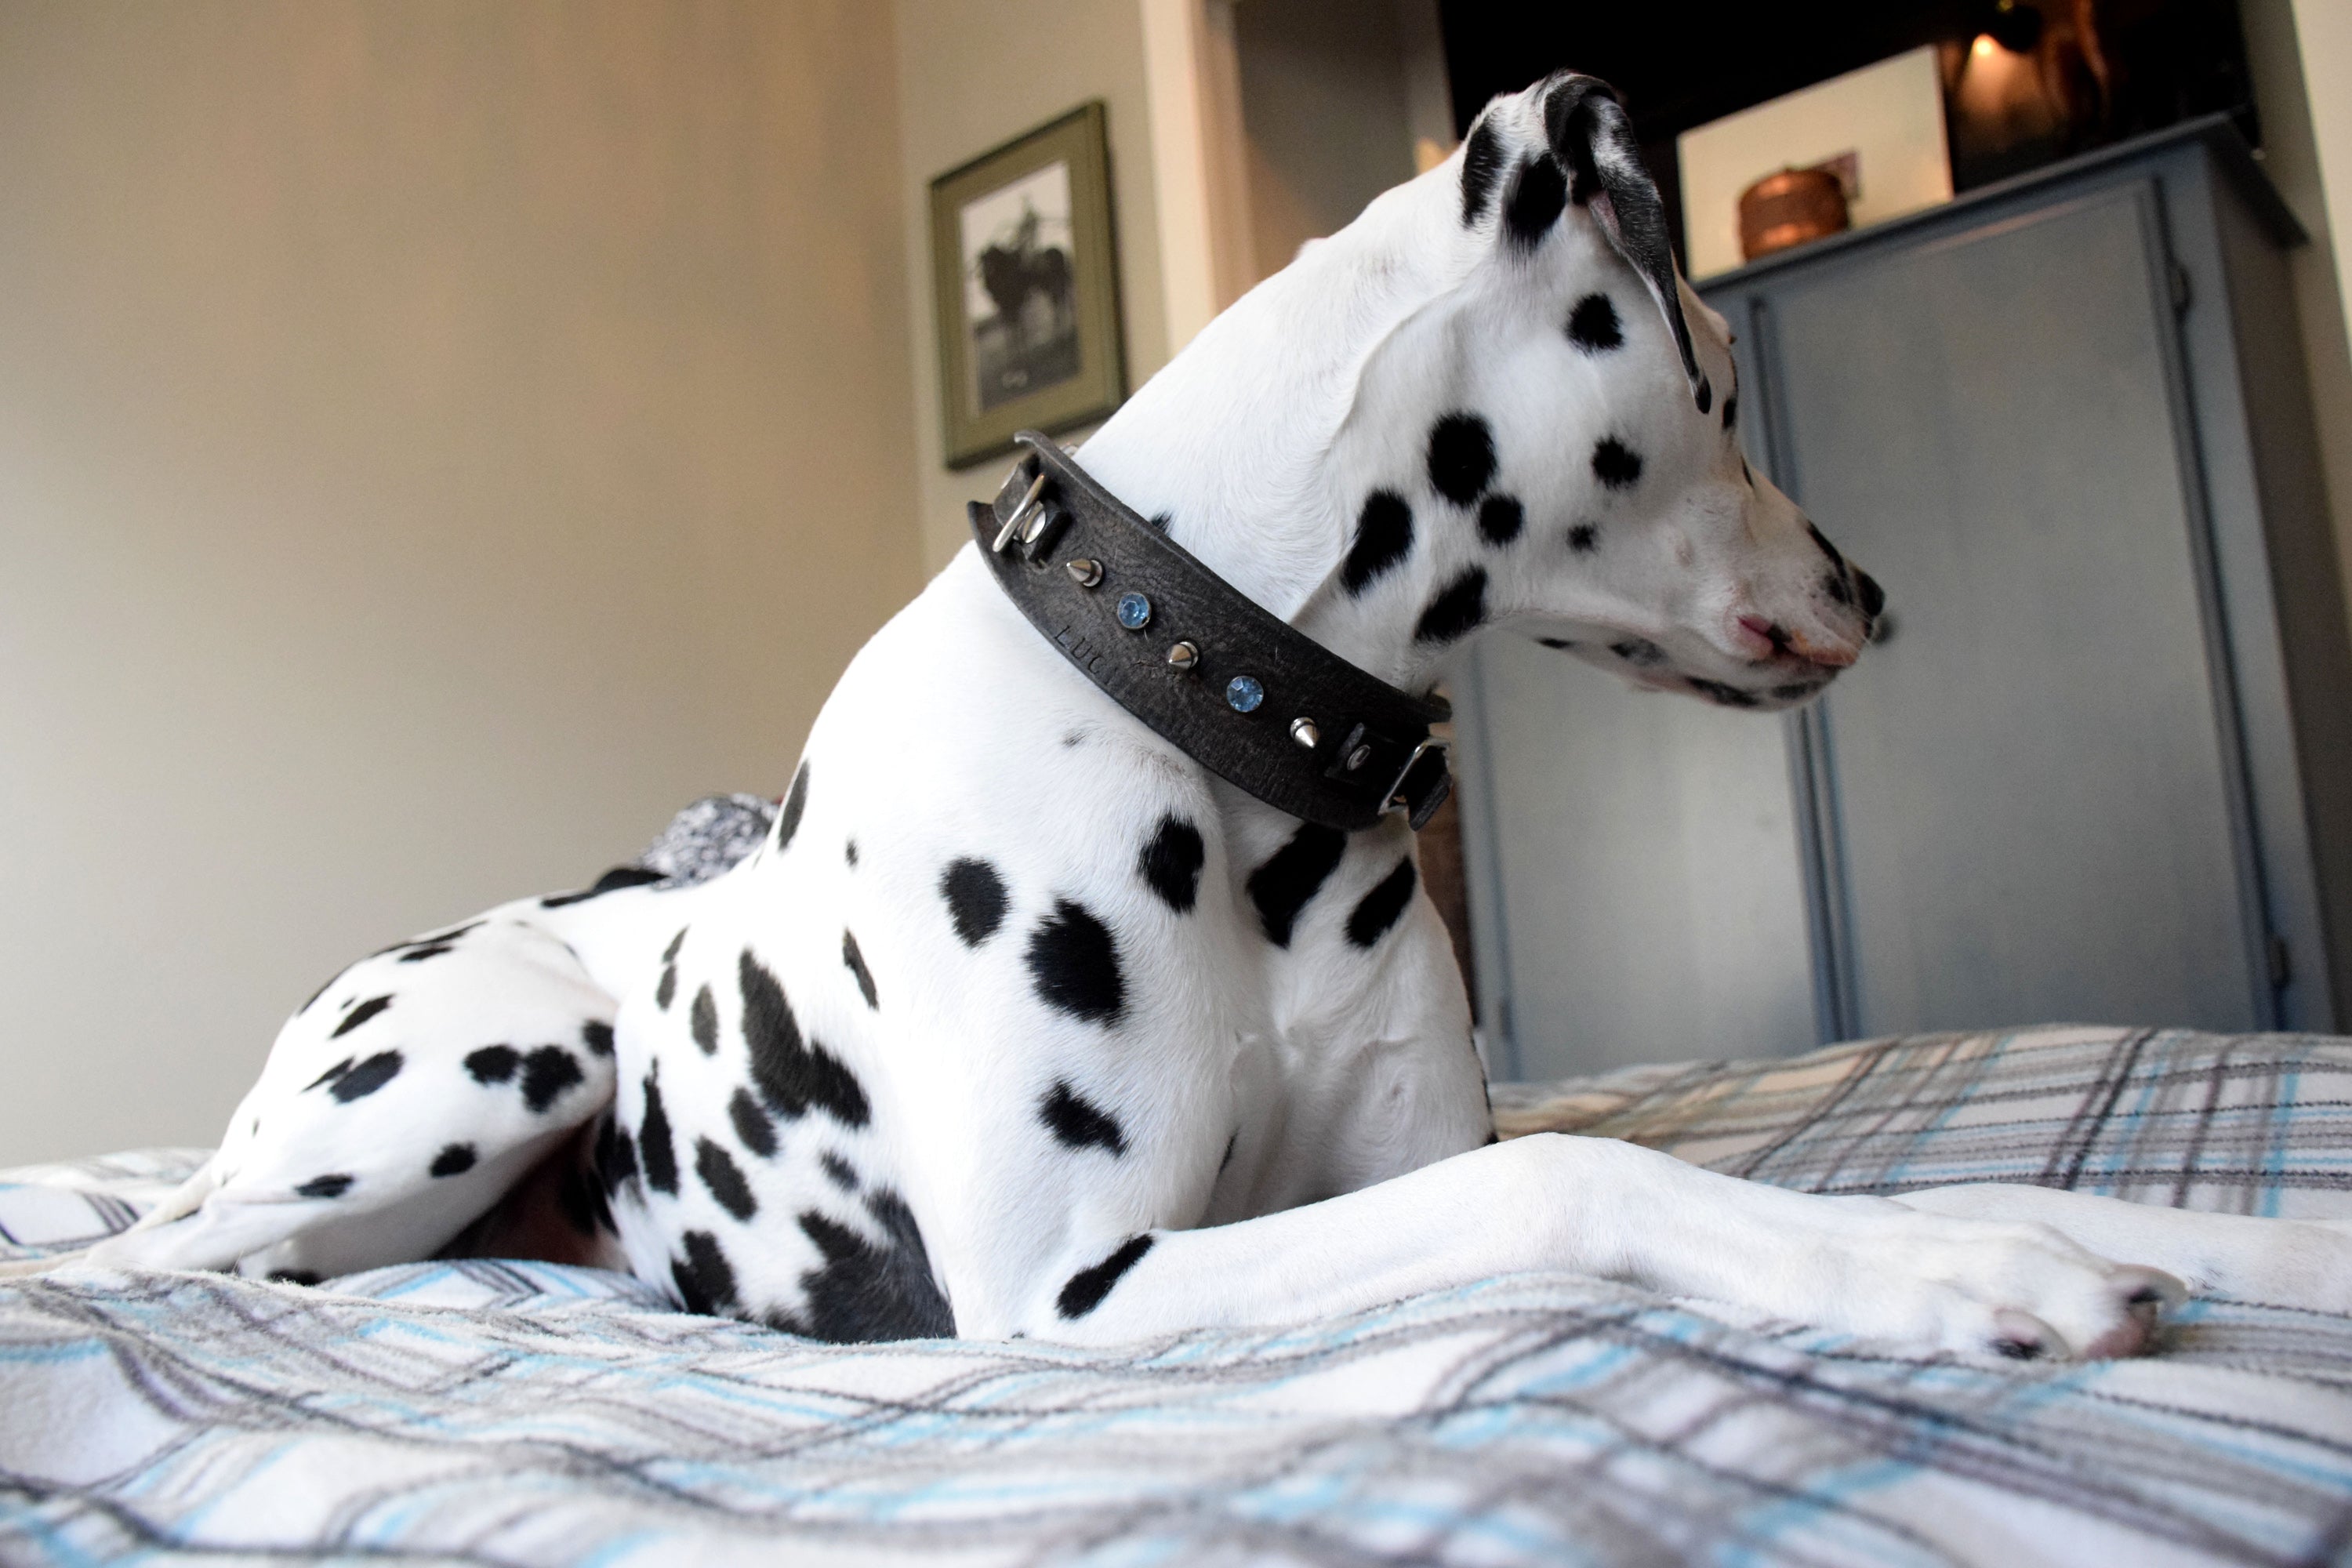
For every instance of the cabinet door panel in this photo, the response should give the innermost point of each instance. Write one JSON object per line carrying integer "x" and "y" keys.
{"x": 2037, "y": 813}
{"x": 1644, "y": 864}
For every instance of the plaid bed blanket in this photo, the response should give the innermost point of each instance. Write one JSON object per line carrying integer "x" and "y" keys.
{"x": 510, "y": 1414}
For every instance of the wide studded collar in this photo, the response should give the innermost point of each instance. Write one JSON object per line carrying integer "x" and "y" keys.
{"x": 1254, "y": 701}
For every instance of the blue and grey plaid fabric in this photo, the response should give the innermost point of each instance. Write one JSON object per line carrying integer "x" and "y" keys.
{"x": 525, "y": 1413}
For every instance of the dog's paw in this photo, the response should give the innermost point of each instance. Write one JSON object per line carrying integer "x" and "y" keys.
{"x": 1990, "y": 1290}
{"x": 2279, "y": 1262}
{"x": 2305, "y": 1264}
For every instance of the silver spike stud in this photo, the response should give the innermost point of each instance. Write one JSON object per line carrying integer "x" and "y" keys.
{"x": 1303, "y": 732}
{"x": 1183, "y": 656}
{"x": 1084, "y": 573}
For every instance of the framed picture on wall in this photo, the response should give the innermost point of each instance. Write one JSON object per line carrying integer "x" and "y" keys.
{"x": 1027, "y": 287}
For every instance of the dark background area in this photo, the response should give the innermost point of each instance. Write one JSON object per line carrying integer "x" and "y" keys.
{"x": 1677, "y": 67}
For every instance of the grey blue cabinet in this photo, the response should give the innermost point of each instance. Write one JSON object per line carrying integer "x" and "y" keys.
{"x": 2097, "y": 770}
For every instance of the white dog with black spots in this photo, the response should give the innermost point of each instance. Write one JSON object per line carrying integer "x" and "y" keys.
{"x": 1020, "y": 1023}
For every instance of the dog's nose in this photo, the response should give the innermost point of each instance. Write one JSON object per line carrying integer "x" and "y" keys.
{"x": 1872, "y": 596}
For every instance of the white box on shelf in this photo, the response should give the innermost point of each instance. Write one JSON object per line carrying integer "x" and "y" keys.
{"x": 1890, "y": 116}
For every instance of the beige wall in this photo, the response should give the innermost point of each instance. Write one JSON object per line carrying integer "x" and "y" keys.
{"x": 435, "y": 441}
{"x": 970, "y": 77}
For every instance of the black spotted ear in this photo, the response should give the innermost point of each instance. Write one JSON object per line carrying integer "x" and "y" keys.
{"x": 1591, "y": 135}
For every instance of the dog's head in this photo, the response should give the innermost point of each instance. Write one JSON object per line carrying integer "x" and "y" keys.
{"x": 1548, "y": 438}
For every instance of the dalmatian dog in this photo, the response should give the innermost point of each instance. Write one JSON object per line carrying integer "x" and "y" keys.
{"x": 1017, "y": 1022}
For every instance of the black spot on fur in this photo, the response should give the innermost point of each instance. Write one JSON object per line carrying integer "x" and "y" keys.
{"x": 1292, "y": 875}
{"x": 849, "y": 851}
{"x": 617, "y": 1154}
{"x": 1827, "y": 549}
{"x": 702, "y": 1021}
{"x": 1584, "y": 537}
{"x": 597, "y": 1035}
{"x": 724, "y": 1177}
{"x": 1500, "y": 518}
{"x": 666, "y": 991}
{"x": 976, "y": 901}
{"x": 493, "y": 1064}
{"x": 1639, "y": 651}
{"x": 547, "y": 1074}
{"x": 654, "y": 1143}
{"x": 1164, "y": 521}
{"x": 1378, "y": 910}
{"x": 1078, "y": 1122}
{"x": 1556, "y": 642}
{"x": 612, "y": 881}
{"x": 1481, "y": 166}
{"x": 1535, "y": 202}
{"x": 1457, "y": 609}
{"x": 752, "y": 1123}
{"x": 1383, "y": 538}
{"x": 705, "y": 1279}
{"x": 866, "y": 1292}
{"x": 368, "y": 1077}
{"x": 1832, "y": 584}
{"x": 1087, "y": 1287}
{"x": 855, "y": 962}
{"x": 329, "y": 1076}
{"x": 1461, "y": 457}
{"x": 1074, "y": 964}
{"x": 839, "y": 1171}
{"x": 788, "y": 819}
{"x": 1593, "y": 326}
{"x": 1730, "y": 410}
{"x": 1616, "y": 464}
{"x": 333, "y": 1187}
{"x": 1171, "y": 861}
{"x": 419, "y": 954}
{"x": 360, "y": 1014}
{"x": 793, "y": 1074}
{"x": 1729, "y": 696}
{"x": 432, "y": 939}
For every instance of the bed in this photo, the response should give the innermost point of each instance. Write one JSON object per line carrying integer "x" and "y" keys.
{"x": 522, "y": 1414}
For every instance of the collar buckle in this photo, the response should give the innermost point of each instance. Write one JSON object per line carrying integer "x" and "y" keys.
{"x": 1421, "y": 786}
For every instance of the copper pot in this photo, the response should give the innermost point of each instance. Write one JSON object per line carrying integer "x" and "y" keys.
{"x": 1790, "y": 208}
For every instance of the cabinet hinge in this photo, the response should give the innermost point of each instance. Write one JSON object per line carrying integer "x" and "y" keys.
{"x": 2282, "y": 967}
{"x": 2180, "y": 289}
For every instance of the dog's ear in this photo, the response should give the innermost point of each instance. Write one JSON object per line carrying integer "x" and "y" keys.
{"x": 1593, "y": 139}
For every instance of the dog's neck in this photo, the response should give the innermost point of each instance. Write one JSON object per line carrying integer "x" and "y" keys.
{"x": 1233, "y": 441}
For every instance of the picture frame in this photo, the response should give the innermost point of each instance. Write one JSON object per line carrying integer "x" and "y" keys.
{"x": 1025, "y": 282}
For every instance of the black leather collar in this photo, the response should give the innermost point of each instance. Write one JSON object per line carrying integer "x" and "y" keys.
{"x": 1246, "y": 695}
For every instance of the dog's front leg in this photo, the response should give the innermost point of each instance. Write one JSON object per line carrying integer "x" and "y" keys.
{"x": 1864, "y": 1266}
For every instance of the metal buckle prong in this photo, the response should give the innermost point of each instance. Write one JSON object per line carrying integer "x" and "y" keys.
{"x": 1020, "y": 514}
{"x": 1395, "y": 798}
